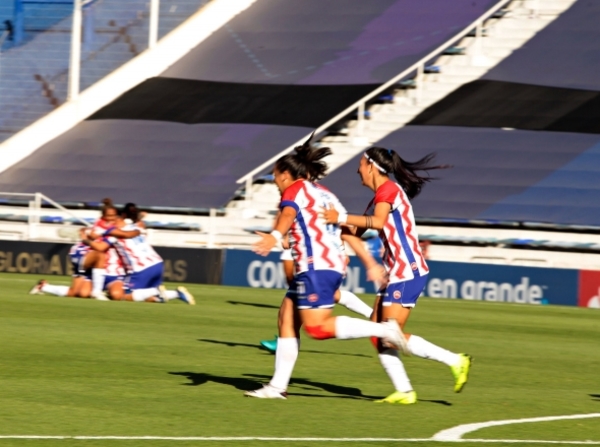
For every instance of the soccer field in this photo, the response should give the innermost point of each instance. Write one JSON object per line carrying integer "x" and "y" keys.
{"x": 72, "y": 367}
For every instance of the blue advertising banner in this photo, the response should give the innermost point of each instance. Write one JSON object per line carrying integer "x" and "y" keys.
{"x": 486, "y": 282}
{"x": 245, "y": 268}
{"x": 513, "y": 284}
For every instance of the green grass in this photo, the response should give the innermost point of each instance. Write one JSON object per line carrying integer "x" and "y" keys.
{"x": 83, "y": 367}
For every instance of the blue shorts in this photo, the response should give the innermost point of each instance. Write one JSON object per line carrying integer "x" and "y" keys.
{"x": 108, "y": 280}
{"x": 147, "y": 278}
{"x": 405, "y": 293}
{"x": 315, "y": 289}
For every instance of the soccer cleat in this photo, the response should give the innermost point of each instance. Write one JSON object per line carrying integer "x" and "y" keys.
{"x": 37, "y": 289}
{"x": 460, "y": 372}
{"x": 267, "y": 392}
{"x": 399, "y": 397}
{"x": 270, "y": 345}
{"x": 394, "y": 337}
{"x": 185, "y": 296}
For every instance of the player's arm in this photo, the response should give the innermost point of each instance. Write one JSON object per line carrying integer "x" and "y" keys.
{"x": 376, "y": 221}
{"x": 375, "y": 271}
{"x": 282, "y": 225}
{"x": 98, "y": 244}
{"x": 120, "y": 234}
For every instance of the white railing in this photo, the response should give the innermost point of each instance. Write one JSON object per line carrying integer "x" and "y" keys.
{"x": 359, "y": 105}
{"x": 35, "y": 208}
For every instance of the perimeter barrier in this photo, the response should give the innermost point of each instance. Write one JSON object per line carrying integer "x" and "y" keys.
{"x": 447, "y": 280}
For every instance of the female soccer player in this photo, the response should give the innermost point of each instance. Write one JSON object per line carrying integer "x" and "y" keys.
{"x": 390, "y": 212}
{"x": 320, "y": 264}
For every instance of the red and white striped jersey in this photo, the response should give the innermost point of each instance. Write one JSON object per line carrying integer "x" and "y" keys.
{"x": 113, "y": 264}
{"x": 136, "y": 253}
{"x": 315, "y": 244}
{"x": 403, "y": 256}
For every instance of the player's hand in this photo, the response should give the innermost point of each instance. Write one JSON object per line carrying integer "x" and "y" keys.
{"x": 377, "y": 273}
{"x": 264, "y": 246}
{"x": 330, "y": 215}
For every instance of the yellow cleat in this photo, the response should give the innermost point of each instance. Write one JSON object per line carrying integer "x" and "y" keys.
{"x": 461, "y": 372}
{"x": 400, "y": 398}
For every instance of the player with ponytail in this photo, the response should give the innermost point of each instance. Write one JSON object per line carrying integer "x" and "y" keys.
{"x": 390, "y": 212}
{"x": 320, "y": 262}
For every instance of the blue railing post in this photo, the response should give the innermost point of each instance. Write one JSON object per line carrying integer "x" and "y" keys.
{"x": 18, "y": 22}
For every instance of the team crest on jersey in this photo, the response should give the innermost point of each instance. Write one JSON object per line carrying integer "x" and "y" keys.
{"x": 397, "y": 294}
{"x": 309, "y": 259}
{"x": 313, "y": 297}
{"x": 413, "y": 265}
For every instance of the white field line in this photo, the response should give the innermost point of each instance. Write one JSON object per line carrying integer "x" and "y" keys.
{"x": 456, "y": 433}
{"x": 262, "y": 438}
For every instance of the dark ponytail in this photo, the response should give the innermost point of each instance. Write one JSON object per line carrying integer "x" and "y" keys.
{"x": 130, "y": 211}
{"x": 404, "y": 171}
{"x": 305, "y": 162}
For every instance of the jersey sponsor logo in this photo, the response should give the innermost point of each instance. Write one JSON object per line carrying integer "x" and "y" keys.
{"x": 313, "y": 297}
{"x": 413, "y": 265}
{"x": 397, "y": 295}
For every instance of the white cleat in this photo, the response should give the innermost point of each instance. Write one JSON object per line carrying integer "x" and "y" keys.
{"x": 395, "y": 337}
{"x": 100, "y": 296}
{"x": 186, "y": 296}
{"x": 37, "y": 289}
{"x": 267, "y": 392}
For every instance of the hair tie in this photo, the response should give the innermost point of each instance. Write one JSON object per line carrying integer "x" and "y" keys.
{"x": 370, "y": 160}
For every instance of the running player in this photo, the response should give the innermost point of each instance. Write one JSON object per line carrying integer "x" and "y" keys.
{"x": 320, "y": 265}
{"x": 390, "y": 212}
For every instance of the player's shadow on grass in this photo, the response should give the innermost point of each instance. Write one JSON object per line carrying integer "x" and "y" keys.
{"x": 434, "y": 401}
{"x": 196, "y": 379}
{"x": 595, "y": 397}
{"x": 343, "y": 392}
{"x": 262, "y": 306}
{"x": 233, "y": 344}
{"x": 247, "y": 384}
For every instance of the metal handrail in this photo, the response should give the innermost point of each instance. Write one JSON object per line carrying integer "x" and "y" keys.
{"x": 39, "y": 197}
{"x": 379, "y": 89}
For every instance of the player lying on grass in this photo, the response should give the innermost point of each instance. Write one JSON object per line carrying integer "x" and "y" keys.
{"x": 390, "y": 213}
{"x": 320, "y": 265}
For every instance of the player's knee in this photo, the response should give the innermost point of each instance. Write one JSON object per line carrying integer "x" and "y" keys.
{"x": 318, "y": 332}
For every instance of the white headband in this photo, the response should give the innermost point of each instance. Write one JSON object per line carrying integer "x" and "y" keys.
{"x": 370, "y": 160}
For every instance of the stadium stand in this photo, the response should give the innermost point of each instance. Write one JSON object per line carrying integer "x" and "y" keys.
{"x": 34, "y": 72}
{"x": 523, "y": 139}
{"x": 278, "y": 46}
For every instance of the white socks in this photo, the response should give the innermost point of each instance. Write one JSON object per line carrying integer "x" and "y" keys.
{"x": 144, "y": 294}
{"x": 55, "y": 290}
{"x": 354, "y": 303}
{"x": 347, "y": 328}
{"x": 395, "y": 370}
{"x": 424, "y": 349}
{"x": 171, "y": 294}
{"x": 285, "y": 359}
{"x": 98, "y": 276}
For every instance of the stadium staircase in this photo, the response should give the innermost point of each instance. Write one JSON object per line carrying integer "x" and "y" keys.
{"x": 34, "y": 74}
{"x": 466, "y": 61}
